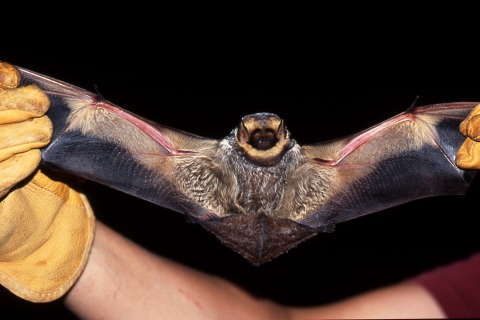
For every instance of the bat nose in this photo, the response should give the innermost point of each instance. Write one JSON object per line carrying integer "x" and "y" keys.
{"x": 263, "y": 139}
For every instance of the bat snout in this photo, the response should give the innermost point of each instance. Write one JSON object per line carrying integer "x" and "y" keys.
{"x": 263, "y": 139}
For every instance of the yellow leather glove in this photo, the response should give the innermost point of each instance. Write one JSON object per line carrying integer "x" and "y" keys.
{"x": 468, "y": 156}
{"x": 46, "y": 228}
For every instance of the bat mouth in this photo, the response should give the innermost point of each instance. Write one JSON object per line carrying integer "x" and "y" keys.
{"x": 263, "y": 137}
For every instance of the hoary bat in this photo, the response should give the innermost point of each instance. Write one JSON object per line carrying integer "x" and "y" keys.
{"x": 257, "y": 190}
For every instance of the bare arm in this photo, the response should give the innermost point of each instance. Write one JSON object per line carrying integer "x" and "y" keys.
{"x": 123, "y": 280}
{"x": 401, "y": 301}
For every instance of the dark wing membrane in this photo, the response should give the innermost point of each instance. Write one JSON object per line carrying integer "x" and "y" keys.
{"x": 407, "y": 157}
{"x": 99, "y": 141}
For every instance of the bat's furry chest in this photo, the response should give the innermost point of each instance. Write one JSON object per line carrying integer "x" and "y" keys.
{"x": 230, "y": 184}
{"x": 258, "y": 189}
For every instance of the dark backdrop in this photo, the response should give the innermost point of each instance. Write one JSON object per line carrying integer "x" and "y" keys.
{"x": 202, "y": 77}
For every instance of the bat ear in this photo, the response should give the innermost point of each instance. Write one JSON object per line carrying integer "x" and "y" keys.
{"x": 282, "y": 130}
{"x": 242, "y": 133}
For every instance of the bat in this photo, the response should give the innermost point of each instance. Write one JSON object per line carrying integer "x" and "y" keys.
{"x": 257, "y": 190}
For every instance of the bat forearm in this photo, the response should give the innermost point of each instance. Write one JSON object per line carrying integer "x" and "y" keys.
{"x": 123, "y": 280}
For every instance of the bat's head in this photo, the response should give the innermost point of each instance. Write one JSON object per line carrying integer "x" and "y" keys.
{"x": 264, "y": 138}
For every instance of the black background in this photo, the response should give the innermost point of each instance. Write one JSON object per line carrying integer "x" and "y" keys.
{"x": 326, "y": 80}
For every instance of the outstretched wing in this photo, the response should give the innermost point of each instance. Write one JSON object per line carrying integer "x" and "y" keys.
{"x": 407, "y": 157}
{"x": 99, "y": 141}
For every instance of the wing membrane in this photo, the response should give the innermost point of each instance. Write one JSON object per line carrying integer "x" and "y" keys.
{"x": 407, "y": 157}
{"x": 99, "y": 141}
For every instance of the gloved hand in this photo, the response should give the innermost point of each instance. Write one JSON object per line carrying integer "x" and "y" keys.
{"x": 46, "y": 227}
{"x": 468, "y": 156}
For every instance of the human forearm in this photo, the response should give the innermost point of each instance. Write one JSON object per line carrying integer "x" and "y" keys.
{"x": 123, "y": 280}
{"x": 401, "y": 301}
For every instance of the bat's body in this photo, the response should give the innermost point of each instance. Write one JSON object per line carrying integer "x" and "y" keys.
{"x": 257, "y": 190}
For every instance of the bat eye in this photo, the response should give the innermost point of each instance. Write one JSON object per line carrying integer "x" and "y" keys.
{"x": 263, "y": 139}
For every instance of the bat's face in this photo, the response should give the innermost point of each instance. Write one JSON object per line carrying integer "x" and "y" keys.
{"x": 263, "y": 137}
